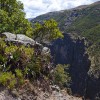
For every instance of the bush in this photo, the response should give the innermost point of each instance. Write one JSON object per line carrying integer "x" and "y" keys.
{"x": 61, "y": 77}
{"x": 8, "y": 79}
{"x": 47, "y": 31}
{"x": 19, "y": 76}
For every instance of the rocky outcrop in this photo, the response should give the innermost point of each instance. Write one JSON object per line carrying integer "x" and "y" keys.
{"x": 20, "y": 39}
{"x": 62, "y": 95}
{"x": 39, "y": 95}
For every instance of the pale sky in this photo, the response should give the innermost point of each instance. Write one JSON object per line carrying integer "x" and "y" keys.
{"x": 35, "y": 8}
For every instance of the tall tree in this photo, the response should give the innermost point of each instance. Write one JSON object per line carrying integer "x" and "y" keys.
{"x": 47, "y": 31}
{"x": 12, "y": 18}
{"x": 11, "y": 6}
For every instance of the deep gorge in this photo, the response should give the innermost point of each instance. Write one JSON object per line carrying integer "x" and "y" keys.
{"x": 73, "y": 52}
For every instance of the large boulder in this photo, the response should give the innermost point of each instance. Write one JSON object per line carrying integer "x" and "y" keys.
{"x": 19, "y": 38}
{"x": 45, "y": 50}
{"x": 8, "y": 36}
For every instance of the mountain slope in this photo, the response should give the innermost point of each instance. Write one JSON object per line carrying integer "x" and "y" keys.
{"x": 82, "y": 19}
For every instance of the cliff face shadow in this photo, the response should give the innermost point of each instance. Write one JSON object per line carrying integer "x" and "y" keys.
{"x": 69, "y": 51}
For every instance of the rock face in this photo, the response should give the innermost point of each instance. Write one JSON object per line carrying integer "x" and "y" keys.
{"x": 73, "y": 51}
{"x": 69, "y": 51}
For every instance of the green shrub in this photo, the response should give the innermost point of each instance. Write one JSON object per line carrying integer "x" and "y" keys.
{"x": 10, "y": 49}
{"x": 34, "y": 66}
{"x": 19, "y": 76}
{"x": 48, "y": 31}
{"x": 61, "y": 77}
{"x": 8, "y": 80}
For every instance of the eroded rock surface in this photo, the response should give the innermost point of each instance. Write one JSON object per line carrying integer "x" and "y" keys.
{"x": 19, "y": 38}
{"x": 55, "y": 95}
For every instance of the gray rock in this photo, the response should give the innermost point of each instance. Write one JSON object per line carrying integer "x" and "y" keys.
{"x": 55, "y": 87}
{"x": 25, "y": 40}
{"x": 9, "y": 36}
{"x": 45, "y": 50}
{"x": 20, "y": 38}
{"x": 14, "y": 93}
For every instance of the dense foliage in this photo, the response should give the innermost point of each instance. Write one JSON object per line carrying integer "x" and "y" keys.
{"x": 61, "y": 75}
{"x": 19, "y": 62}
{"x": 46, "y": 31}
{"x": 12, "y": 18}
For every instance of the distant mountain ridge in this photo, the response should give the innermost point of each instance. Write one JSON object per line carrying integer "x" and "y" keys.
{"x": 29, "y": 19}
{"x": 81, "y": 20}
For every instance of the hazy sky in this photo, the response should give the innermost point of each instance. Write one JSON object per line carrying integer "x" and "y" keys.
{"x": 34, "y": 8}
